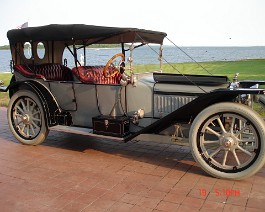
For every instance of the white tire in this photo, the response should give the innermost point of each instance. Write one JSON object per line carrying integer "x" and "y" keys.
{"x": 26, "y": 118}
{"x": 228, "y": 140}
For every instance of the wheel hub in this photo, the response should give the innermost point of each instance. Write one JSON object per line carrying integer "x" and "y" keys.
{"x": 26, "y": 119}
{"x": 227, "y": 141}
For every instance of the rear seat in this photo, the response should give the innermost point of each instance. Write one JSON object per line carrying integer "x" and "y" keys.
{"x": 48, "y": 71}
{"x": 94, "y": 75}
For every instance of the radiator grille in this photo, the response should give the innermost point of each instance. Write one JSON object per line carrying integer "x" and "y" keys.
{"x": 165, "y": 104}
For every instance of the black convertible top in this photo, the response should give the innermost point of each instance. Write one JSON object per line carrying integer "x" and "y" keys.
{"x": 81, "y": 32}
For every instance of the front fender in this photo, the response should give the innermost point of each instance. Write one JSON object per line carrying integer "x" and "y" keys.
{"x": 192, "y": 109}
{"x": 50, "y": 104}
{"x": 250, "y": 83}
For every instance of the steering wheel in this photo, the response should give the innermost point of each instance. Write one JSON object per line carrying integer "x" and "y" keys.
{"x": 118, "y": 66}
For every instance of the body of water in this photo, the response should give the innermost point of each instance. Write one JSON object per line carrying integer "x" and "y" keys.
{"x": 147, "y": 55}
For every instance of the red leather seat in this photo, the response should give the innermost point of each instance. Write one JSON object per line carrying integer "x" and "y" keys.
{"x": 94, "y": 75}
{"x": 48, "y": 71}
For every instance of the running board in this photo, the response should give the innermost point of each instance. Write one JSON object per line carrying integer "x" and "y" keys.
{"x": 82, "y": 131}
{"x": 144, "y": 137}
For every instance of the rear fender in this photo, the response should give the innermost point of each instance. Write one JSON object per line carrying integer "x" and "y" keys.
{"x": 50, "y": 105}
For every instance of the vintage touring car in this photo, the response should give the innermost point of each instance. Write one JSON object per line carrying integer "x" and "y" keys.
{"x": 227, "y": 138}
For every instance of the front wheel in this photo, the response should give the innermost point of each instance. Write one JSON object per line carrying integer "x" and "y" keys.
{"x": 227, "y": 140}
{"x": 26, "y": 118}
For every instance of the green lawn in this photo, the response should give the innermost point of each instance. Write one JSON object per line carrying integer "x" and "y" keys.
{"x": 4, "y": 98}
{"x": 247, "y": 69}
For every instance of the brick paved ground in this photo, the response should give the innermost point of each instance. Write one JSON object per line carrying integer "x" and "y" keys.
{"x": 78, "y": 173}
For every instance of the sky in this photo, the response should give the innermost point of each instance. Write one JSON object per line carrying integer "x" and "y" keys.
{"x": 186, "y": 22}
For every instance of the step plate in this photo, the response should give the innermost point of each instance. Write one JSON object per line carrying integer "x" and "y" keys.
{"x": 82, "y": 131}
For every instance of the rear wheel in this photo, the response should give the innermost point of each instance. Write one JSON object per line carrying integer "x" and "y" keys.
{"x": 227, "y": 140}
{"x": 26, "y": 118}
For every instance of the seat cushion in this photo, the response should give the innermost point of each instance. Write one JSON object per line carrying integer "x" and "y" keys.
{"x": 94, "y": 75}
{"x": 48, "y": 71}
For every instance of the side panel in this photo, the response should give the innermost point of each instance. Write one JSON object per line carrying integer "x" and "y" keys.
{"x": 94, "y": 100}
{"x": 140, "y": 97}
{"x": 62, "y": 91}
{"x": 64, "y": 94}
{"x": 86, "y": 105}
{"x": 110, "y": 95}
